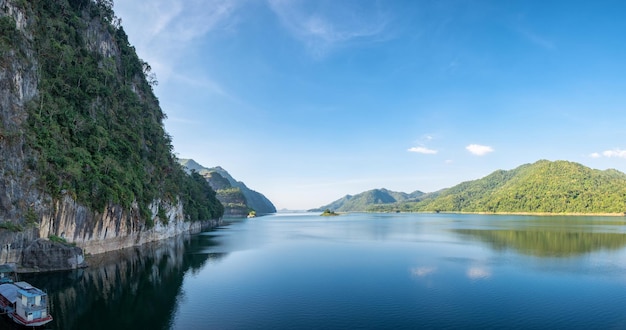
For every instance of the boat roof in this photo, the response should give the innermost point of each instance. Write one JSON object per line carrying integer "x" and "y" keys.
{"x": 9, "y": 291}
{"x": 24, "y": 285}
{"x": 28, "y": 290}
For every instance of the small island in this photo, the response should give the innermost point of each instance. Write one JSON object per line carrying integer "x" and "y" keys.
{"x": 328, "y": 213}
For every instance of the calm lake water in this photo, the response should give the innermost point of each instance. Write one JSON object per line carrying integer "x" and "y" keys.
{"x": 358, "y": 271}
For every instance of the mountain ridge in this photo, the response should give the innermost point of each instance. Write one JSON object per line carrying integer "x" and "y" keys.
{"x": 237, "y": 198}
{"x": 543, "y": 187}
{"x": 360, "y": 202}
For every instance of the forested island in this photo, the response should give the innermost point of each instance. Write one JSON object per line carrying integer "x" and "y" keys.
{"x": 329, "y": 213}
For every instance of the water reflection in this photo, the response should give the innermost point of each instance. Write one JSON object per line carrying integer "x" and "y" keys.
{"x": 136, "y": 288}
{"x": 549, "y": 241}
{"x": 358, "y": 271}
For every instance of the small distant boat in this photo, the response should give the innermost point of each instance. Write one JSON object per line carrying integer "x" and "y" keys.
{"x": 23, "y": 303}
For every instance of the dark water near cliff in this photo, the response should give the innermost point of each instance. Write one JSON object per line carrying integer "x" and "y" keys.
{"x": 359, "y": 271}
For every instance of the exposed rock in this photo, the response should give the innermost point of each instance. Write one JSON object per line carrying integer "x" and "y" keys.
{"x": 45, "y": 255}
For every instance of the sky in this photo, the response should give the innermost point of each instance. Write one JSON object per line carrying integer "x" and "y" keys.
{"x": 308, "y": 101}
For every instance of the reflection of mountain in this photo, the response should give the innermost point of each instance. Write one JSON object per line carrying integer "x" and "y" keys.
{"x": 548, "y": 243}
{"x": 136, "y": 288}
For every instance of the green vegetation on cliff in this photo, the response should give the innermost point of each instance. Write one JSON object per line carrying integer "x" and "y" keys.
{"x": 96, "y": 125}
{"x": 236, "y": 197}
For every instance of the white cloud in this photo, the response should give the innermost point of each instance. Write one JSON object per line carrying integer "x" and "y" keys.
{"x": 617, "y": 153}
{"x": 479, "y": 150}
{"x": 423, "y": 150}
{"x": 614, "y": 153}
{"x": 324, "y": 25}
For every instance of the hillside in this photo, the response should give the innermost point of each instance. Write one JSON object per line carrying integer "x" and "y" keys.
{"x": 365, "y": 200}
{"x": 82, "y": 142}
{"x": 541, "y": 187}
{"x": 236, "y": 197}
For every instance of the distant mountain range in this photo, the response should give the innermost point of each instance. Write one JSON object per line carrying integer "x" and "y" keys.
{"x": 556, "y": 187}
{"x": 237, "y": 198}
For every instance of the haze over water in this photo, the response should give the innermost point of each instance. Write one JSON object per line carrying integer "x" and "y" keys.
{"x": 303, "y": 271}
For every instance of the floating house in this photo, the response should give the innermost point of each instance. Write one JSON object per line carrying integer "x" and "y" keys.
{"x": 24, "y": 304}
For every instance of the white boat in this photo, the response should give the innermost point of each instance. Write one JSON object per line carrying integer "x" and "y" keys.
{"x": 24, "y": 304}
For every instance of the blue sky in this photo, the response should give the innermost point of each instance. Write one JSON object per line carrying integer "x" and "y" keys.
{"x": 307, "y": 101}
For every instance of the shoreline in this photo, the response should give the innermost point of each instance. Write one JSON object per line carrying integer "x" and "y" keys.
{"x": 573, "y": 214}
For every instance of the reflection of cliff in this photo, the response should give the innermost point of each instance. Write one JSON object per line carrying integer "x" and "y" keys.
{"x": 135, "y": 288}
{"x": 548, "y": 243}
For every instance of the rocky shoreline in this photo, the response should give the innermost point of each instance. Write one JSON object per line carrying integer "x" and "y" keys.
{"x": 28, "y": 254}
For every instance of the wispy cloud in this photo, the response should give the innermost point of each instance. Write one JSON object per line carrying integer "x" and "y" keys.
{"x": 162, "y": 31}
{"x": 202, "y": 83}
{"x": 614, "y": 153}
{"x": 422, "y": 150}
{"x": 536, "y": 39}
{"x": 324, "y": 25}
{"x": 479, "y": 150}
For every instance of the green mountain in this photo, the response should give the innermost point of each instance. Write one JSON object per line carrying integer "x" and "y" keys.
{"x": 79, "y": 122}
{"x": 236, "y": 197}
{"x": 365, "y": 200}
{"x": 541, "y": 187}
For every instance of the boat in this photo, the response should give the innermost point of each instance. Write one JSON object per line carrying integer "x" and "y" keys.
{"x": 21, "y": 302}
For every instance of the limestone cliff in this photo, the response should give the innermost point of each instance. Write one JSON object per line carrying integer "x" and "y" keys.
{"x": 233, "y": 199}
{"x": 236, "y": 197}
{"x": 83, "y": 153}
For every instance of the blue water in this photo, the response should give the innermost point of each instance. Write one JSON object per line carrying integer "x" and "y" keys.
{"x": 409, "y": 271}
{"x": 359, "y": 271}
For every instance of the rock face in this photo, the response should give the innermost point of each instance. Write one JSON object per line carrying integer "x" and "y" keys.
{"x": 115, "y": 228}
{"x": 50, "y": 256}
{"x": 30, "y": 210}
{"x": 236, "y": 197}
{"x": 18, "y": 85}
